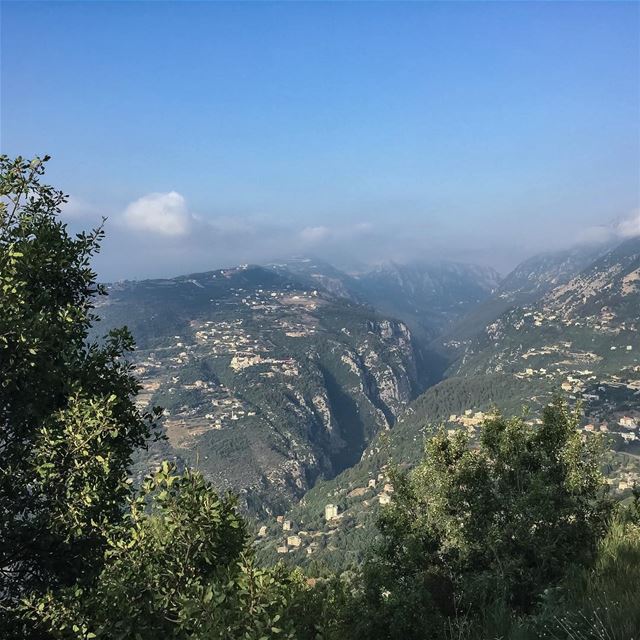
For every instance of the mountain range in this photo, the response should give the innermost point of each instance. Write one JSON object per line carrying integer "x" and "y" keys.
{"x": 274, "y": 376}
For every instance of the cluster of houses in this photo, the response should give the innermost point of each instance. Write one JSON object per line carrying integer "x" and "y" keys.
{"x": 469, "y": 419}
{"x": 605, "y": 321}
{"x": 626, "y": 427}
{"x": 624, "y": 482}
{"x": 224, "y": 337}
{"x": 218, "y": 408}
{"x": 284, "y": 366}
{"x": 293, "y": 328}
{"x": 228, "y": 338}
{"x": 378, "y": 490}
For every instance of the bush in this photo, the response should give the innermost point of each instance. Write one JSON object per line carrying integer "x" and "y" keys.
{"x": 475, "y": 528}
{"x": 68, "y": 423}
{"x": 600, "y": 602}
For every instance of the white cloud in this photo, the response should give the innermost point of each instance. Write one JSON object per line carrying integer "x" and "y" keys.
{"x": 362, "y": 228}
{"x": 630, "y": 227}
{"x": 615, "y": 231}
{"x": 338, "y": 234}
{"x": 162, "y": 213}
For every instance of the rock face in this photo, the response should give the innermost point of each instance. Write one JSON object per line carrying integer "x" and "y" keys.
{"x": 267, "y": 385}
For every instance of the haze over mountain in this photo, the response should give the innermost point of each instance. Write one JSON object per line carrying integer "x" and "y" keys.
{"x": 319, "y": 320}
{"x": 429, "y": 296}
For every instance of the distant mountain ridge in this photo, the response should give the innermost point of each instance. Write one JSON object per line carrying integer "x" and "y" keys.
{"x": 429, "y": 297}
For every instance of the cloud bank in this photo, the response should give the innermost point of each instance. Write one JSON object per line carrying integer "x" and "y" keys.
{"x": 159, "y": 235}
{"x": 630, "y": 228}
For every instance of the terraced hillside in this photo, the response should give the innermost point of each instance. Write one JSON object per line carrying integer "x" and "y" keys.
{"x": 266, "y": 385}
{"x": 526, "y": 284}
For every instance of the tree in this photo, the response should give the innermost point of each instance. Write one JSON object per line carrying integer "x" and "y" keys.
{"x": 500, "y": 521}
{"x": 68, "y": 423}
{"x": 178, "y": 567}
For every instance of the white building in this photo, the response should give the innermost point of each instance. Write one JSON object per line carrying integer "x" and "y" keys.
{"x": 330, "y": 512}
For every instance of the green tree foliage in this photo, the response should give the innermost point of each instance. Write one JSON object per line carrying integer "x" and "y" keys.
{"x": 503, "y": 521}
{"x": 177, "y": 567}
{"x": 68, "y": 424}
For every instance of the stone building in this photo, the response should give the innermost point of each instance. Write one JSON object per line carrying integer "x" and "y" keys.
{"x": 330, "y": 512}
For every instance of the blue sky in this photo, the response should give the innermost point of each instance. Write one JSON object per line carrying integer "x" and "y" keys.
{"x": 216, "y": 133}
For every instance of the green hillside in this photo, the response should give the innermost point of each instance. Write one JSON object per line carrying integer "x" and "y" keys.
{"x": 267, "y": 386}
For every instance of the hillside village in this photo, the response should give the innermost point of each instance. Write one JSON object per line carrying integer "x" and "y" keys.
{"x": 290, "y": 535}
{"x": 244, "y": 343}
{"x": 250, "y": 361}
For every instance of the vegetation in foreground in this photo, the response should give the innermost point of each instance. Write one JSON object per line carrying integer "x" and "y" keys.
{"x": 515, "y": 538}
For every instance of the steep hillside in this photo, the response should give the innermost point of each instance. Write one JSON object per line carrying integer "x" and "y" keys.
{"x": 527, "y": 283}
{"x": 543, "y": 272}
{"x": 591, "y": 319}
{"x": 310, "y": 534}
{"x": 267, "y": 385}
